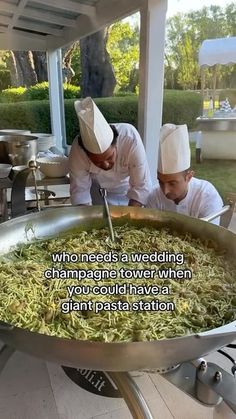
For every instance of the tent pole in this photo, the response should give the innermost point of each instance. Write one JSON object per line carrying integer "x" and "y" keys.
{"x": 202, "y": 88}
{"x": 214, "y": 84}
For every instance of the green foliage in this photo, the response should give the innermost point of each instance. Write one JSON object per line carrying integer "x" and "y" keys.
{"x": 5, "y": 79}
{"x": 230, "y": 94}
{"x": 179, "y": 107}
{"x": 4, "y": 57}
{"x": 188, "y": 70}
{"x": 122, "y": 93}
{"x": 123, "y": 48}
{"x": 71, "y": 91}
{"x": 41, "y": 92}
{"x": 76, "y": 65}
{"x": 185, "y": 33}
{"x": 34, "y": 116}
{"x": 38, "y": 92}
{"x": 115, "y": 109}
{"x": 12, "y": 95}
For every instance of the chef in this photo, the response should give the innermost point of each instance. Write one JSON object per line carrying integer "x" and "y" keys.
{"x": 107, "y": 156}
{"x": 178, "y": 190}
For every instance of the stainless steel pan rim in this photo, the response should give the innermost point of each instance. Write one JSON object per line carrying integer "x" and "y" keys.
{"x": 120, "y": 356}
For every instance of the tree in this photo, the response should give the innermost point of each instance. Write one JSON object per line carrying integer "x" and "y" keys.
{"x": 21, "y": 65}
{"x": 98, "y": 79}
{"x": 40, "y": 65}
{"x": 76, "y": 65}
{"x": 123, "y": 47}
{"x": 188, "y": 70}
{"x": 186, "y": 32}
{"x": 30, "y": 67}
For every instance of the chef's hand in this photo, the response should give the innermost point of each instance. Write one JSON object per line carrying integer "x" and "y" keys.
{"x": 133, "y": 203}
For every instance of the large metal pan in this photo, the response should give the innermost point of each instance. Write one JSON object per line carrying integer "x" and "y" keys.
{"x": 112, "y": 356}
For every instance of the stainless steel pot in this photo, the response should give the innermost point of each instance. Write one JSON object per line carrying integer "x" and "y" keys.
{"x": 112, "y": 356}
{"x": 14, "y": 132}
{"x": 19, "y": 149}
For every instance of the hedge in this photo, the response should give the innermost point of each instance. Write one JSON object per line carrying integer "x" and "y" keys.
{"x": 179, "y": 107}
{"x": 39, "y": 91}
{"x": 33, "y": 116}
{"x": 5, "y": 79}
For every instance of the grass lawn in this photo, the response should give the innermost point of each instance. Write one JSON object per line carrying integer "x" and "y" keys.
{"x": 221, "y": 173}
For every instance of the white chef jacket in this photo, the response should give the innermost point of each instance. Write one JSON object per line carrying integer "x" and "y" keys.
{"x": 202, "y": 200}
{"x": 128, "y": 179}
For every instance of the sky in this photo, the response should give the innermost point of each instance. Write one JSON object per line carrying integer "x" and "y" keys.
{"x": 184, "y": 6}
{"x": 175, "y": 6}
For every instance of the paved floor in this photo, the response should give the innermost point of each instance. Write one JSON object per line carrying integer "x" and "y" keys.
{"x": 32, "y": 389}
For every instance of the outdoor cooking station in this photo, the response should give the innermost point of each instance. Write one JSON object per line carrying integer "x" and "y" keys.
{"x": 209, "y": 381}
{"x": 218, "y": 137}
{"x": 218, "y": 127}
{"x": 179, "y": 358}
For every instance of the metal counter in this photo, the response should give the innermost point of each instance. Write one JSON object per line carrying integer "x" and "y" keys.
{"x": 6, "y": 183}
{"x": 218, "y": 138}
{"x": 216, "y": 124}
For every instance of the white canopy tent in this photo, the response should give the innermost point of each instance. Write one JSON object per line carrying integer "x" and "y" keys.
{"x": 217, "y": 51}
{"x": 214, "y": 52}
{"x": 51, "y": 24}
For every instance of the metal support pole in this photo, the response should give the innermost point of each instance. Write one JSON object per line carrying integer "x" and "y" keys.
{"x": 3, "y": 203}
{"x": 56, "y": 98}
{"x": 131, "y": 394}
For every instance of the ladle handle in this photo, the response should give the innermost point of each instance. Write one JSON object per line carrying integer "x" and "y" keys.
{"x": 33, "y": 167}
{"x": 103, "y": 193}
{"x": 216, "y": 214}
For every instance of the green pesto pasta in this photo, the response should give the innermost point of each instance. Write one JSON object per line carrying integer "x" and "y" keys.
{"x": 206, "y": 301}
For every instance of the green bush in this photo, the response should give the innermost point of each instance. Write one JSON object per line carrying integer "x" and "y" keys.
{"x": 5, "y": 79}
{"x": 71, "y": 91}
{"x": 179, "y": 107}
{"x": 230, "y": 94}
{"x": 115, "y": 109}
{"x": 122, "y": 93}
{"x": 37, "y": 92}
{"x": 12, "y": 95}
{"x": 33, "y": 116}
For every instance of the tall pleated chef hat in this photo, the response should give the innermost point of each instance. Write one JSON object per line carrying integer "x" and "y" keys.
{"x": 96, "y": 133}
{"x": 174, "y": 150}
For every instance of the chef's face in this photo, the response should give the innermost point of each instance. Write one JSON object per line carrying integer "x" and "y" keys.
{"x": 106, "y": 160}
{"x": 175, "y": 186}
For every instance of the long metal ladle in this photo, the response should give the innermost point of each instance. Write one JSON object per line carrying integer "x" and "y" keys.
{"x": 107, "y": 214}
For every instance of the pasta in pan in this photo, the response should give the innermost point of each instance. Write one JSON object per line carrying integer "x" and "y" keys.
{"x": 31, "y": 300}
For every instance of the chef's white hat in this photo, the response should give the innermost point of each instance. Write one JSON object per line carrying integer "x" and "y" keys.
{"x": 96, "y": 133}
{"x": 174, "y": 150}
